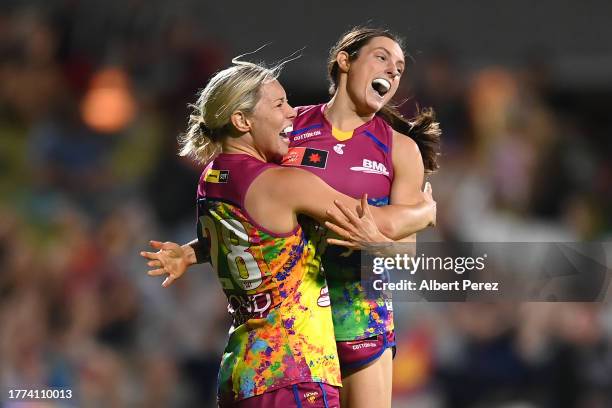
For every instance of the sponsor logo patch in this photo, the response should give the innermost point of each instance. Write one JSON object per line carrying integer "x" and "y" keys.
{"x": 244, "y": 307}
{"x": 306, "y": 135}
{"x": 217, "y": 176}
{"x": 363, "y": 345}
{"x": 305, "y": 156}
{"x": 371, "y": 167}
{"x": 311, "y": 396}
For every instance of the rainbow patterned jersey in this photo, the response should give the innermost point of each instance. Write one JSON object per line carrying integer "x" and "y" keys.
{"x": 353, "y": 163}
{"x": 282, "y": 332}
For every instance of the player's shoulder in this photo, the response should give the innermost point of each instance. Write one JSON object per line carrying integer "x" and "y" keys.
{"x": 307, "y": 110}
{"x": 284, "y": 177}
{"x": 406, "y": 154}
{"x": 284, "y": 183}
{"x": 204, "y": 173}
{"x": 405, "y": 144}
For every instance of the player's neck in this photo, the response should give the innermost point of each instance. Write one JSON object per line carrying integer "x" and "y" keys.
{"x": 241, "y": 146}
{"x": 342, "y": 113}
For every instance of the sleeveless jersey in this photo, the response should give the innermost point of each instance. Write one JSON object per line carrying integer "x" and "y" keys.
{"x": 353, "y": 163}
{"x": 282, "y": 332}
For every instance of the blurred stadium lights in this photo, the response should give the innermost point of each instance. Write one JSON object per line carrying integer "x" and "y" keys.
{"x": 108, "y": 105}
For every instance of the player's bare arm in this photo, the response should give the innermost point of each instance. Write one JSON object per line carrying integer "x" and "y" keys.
{"x": 355, "y": 228}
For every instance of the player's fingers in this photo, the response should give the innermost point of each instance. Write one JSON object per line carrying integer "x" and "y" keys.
{"x": 341, "y": 232}
{"x": 340, "y": 220}
{"x": 169, "y": 245}
{"x": 155, "y": 244}
{"x": 149, "y": 255}
{"x": 364, "y": 200}
{"x": 168, "y": 281}
{"x": 156, "y": 272}
{"x": 363, "y": 203}
{"x": 428, "y": 190}
{"x": 339, "y": 242}
{"x": 366, "y": 206}
{"x": 347, "y": 212}
{"x": 154, "y": 264}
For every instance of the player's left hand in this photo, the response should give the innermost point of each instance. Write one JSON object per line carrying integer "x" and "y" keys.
{"x": 356, "y": 230}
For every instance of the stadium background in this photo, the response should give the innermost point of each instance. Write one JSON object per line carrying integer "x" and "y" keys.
{"x": 93, "y": 94}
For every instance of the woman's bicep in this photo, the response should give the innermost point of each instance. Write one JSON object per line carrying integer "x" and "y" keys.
{"x": 409, "y": 171}
{"x": 310, "y": 195}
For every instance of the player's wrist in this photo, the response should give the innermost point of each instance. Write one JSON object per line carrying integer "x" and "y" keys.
{"x": 188, "y": 255}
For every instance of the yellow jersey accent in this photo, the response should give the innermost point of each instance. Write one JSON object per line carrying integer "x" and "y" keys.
{"x": 341, "y": 135}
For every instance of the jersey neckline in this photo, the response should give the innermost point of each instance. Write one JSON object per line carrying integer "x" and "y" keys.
{"x": 331, "y": 127}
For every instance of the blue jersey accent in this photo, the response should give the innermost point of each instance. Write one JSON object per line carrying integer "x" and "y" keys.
{"x": 306, "y": 129}
{"x": 378, "y": 142}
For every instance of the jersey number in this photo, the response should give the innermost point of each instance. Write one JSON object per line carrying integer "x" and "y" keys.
{"x": 242, "y": 264}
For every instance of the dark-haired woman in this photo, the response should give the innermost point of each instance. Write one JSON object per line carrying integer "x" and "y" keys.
{"x": 368, "y": 148}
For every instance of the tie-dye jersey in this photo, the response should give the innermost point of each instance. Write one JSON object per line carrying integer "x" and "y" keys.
{"x": 282, "y": 331}
{"x": 355, "y": 163}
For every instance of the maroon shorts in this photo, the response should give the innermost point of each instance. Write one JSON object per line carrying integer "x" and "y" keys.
{"x": 357, "y": 353}
{"x": 302, "y": 395}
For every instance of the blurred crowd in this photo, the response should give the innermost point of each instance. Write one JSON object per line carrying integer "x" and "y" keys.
{"x": 90, "y": 108}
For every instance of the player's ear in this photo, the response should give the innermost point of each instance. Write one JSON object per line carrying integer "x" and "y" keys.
{"x": 343, "y": 61}
{"x": 240, "y": 122}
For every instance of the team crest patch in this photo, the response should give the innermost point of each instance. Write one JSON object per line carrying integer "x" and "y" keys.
{"x": 305, "y": 156}
{"x": 217, "y": 176}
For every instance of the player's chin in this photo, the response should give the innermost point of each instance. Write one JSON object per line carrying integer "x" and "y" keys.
{"x": 284, "y": 145}
{"x": 281, "y": 150}
{"x": 374, "y": 102}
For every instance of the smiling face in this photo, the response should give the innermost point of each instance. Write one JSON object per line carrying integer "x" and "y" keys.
{"x": 373, "y": 76}
{"x": 271, "y": 120}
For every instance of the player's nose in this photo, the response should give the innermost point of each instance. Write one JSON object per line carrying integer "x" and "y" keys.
{"x": 291, "y": 112}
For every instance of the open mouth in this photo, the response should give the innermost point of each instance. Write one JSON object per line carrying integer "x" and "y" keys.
{"x": 381, "y": 86}
{"x": 284, "y": 134}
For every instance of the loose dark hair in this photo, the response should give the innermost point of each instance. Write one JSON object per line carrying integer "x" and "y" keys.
{"x": 423, "y": 128}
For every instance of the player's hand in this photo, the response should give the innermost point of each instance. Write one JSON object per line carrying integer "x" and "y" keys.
{"x": 430, "y": 203}
{"x": 356, "y": 230}
{"x": 170, "y": 259}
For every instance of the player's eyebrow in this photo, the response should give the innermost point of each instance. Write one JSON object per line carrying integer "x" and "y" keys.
{"x": 386, "y": 51}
